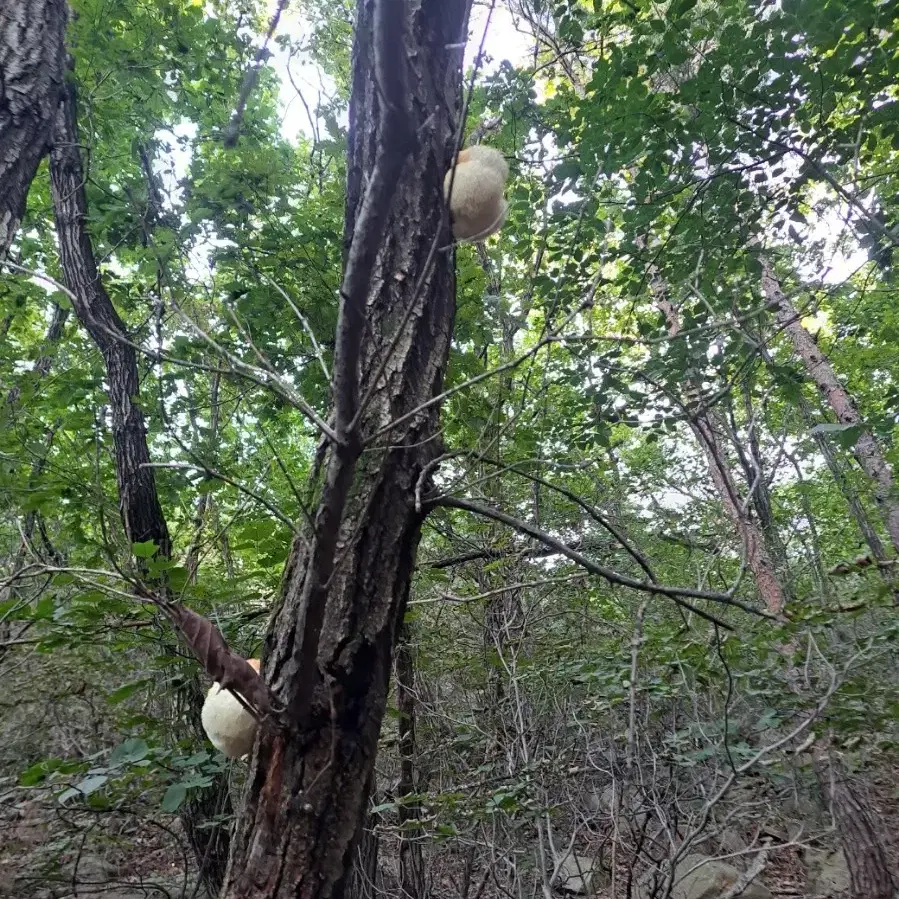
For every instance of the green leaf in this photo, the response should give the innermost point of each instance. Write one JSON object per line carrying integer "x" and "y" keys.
{"x": 84, "y": 788}
{"x": 173, "y": 797}
{"x": 130, "y": 751}
{"x": 38, "y": 772}
{"x": 384, "y": 807}
{"x": 145, "y": 550}
{"x": 126, "y": 690}
{"x": 844, "y": 435}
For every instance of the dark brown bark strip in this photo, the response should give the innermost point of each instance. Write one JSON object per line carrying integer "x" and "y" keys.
{"x": 32, "y": 74}
{"x": 329, "y": 652}
{"x": 139, "y": 503}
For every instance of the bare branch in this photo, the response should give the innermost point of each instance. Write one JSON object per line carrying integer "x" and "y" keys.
{"x": 541, "y": 582}
{"x": 265, "y": 377}
{"x": 678, "y": 594}
{"x": 249, "y": 81}
{"x": 303, "y": 321}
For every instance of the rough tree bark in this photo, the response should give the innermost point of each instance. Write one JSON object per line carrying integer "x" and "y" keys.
{"x": 867, "y": 451}
{"x": 32, "y": 74}
{"x": 139, "y": 504}
{"x": 869, "y": 868}
{"x": 328, "y": 654}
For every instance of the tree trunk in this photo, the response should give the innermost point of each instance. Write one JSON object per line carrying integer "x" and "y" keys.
{"x": 32, "y": 74}
{"x": 140, "y": 508}
{"x": 412, "y": 869}
{"x": 856, "y": 509}
{"x": 702, "y": 423}
{"x": 206, "y": 818}
{"x": 364, "y": 881}
{"x": 204, "y": 503}
{"x": 869, "y": 869}
{"x": 328, "y": 655}
{"x": 139, "y": 503}
{"x": 867, "y": 450}
{"x": 754, "y": 470}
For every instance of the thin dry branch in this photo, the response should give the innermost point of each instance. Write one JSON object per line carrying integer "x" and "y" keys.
{"x": 677, "y": 594}
{"x": 233, "y": 130}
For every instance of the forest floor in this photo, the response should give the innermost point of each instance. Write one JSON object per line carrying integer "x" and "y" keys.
{"x": 48, "y": 851}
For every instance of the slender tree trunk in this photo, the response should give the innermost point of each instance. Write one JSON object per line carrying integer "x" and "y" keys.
{"x": 866, "y": 528}
{"x": 867, "y": 451}
{"x": 753, "y": 468}
{"x": 207, "y": 815}
{"x": 856, "y": 509}
{"x": 412, "y": 870}
{"x": 32, "y": 74}
{"x": 45, "y": 360}
{"x": 41, "y": 367}
{"x": 329, "y": 651}
{"x": 139, "y": 503}
{"x": 702, "y": 423}
{"x": 140, "y": 508}
{"x": 32, "y": 517}
{"x": 365, "y": 880}
{"x": 192, "y": 557}
{"x": 869, "y": 868}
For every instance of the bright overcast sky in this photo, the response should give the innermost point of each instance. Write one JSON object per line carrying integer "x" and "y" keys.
{"x": 503, "y": 42}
